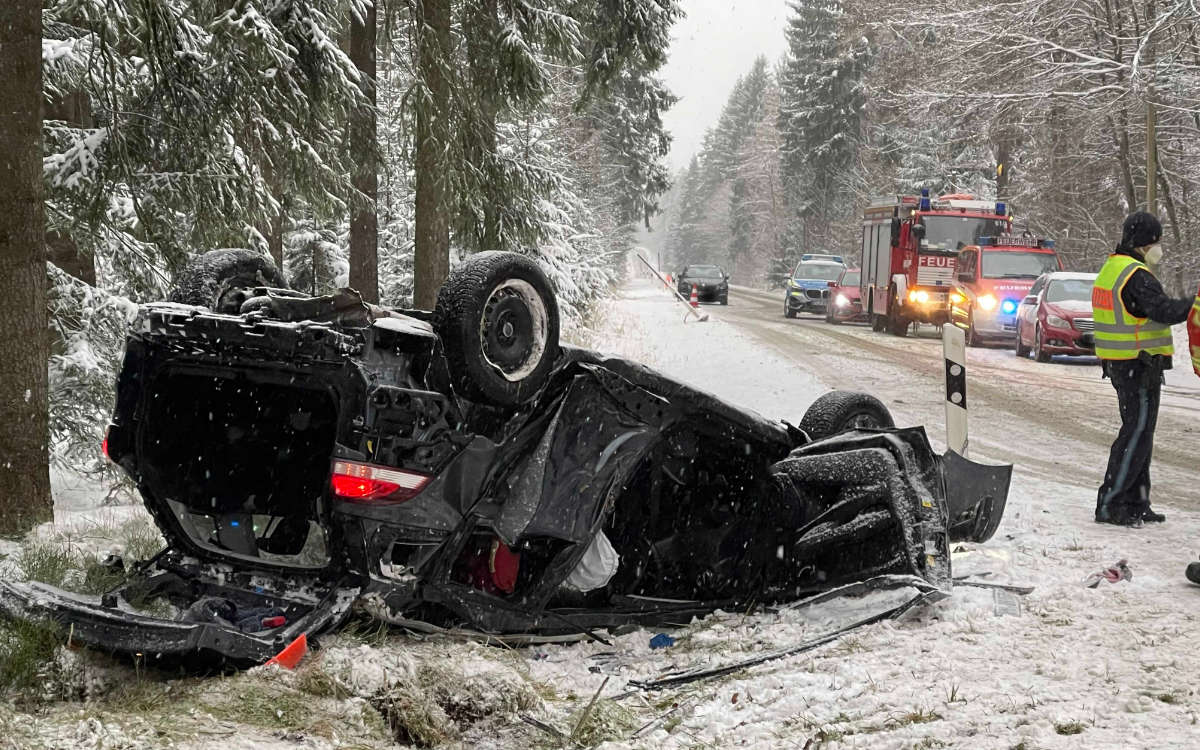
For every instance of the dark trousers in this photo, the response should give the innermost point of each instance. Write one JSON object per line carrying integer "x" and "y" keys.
{"x": 1125, "y": 494}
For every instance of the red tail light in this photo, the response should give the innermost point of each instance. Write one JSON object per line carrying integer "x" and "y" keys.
{"x": 363, "y": 482}
{"x": 104, "y": 444}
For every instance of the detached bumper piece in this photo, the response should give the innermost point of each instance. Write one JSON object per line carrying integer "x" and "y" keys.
{"x": 111, "y": 622}
{"x": 976, "y": 496}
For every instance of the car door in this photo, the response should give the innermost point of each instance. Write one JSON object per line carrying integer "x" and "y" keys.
{"x": 1027, "y": 313}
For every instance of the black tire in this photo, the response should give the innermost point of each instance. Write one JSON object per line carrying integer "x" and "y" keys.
{"x": 724, "y": 300}
{"x": 1039, "y": 352}
{"x": 1020, "y": 349}
{"x": 788, "y": 312}
{"x": 838, "y": 411}
{"x": 222, "y": 280}
{"x": 896, "y": 324}
{"x": 498, "y": 321}
{"x": 878, "y": 322}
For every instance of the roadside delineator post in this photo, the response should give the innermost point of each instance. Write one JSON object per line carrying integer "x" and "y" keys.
{"x": 700, "y": 316}
{"x": 954, "y": 350}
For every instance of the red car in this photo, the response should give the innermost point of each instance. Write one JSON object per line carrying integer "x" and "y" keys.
{"x": 845, "y": 298}
{"x": 1056, "y": 317}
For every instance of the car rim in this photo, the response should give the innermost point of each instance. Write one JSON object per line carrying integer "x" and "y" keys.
{"x": 514, "y": 329}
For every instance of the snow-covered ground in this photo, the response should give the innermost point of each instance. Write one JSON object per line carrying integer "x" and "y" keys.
{"x": 1064, "y": 667}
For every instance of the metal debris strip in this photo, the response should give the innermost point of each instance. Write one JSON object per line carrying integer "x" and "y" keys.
{"x": 925, "y": 594}
{"x": 1021, "y": 590}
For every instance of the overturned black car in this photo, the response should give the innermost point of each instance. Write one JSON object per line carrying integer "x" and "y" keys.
{"x": 463, "y": 469}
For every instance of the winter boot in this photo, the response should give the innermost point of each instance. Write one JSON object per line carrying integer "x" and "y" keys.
{"x": 1193, "y": 572}
{"x": 1149, "y": 516}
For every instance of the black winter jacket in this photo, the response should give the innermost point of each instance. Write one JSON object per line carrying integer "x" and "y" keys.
{"x": 1145, "y": 297}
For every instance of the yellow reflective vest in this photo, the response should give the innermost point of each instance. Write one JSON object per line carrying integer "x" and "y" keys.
{"x": 1120, "y": 334}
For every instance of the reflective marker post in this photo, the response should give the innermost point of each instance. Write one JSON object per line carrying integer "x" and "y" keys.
{"x": 954, "y": 349}
{"x": 702, "y": 317}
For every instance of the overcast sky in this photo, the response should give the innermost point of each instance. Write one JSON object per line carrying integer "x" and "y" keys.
{"x": 714, "y": 45}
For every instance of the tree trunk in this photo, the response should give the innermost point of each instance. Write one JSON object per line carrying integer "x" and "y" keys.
{"x": 275, "y": 237}
{"x": 24, "y": 338}
{"x": 431, "y": 261}
{"x": 481, "y": 61}
{"x": 364, "y": 222}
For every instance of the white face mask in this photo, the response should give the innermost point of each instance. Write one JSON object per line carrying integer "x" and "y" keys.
{"x": 1154, "y": 254}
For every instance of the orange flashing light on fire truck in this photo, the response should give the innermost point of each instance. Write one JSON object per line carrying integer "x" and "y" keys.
{"x": 910, "y": 250}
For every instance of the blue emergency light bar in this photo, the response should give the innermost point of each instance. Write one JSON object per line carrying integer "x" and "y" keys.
{"x": 925, "y": 202}
{"x": 1001, "y": 209}
{"x": 820, "y": 256}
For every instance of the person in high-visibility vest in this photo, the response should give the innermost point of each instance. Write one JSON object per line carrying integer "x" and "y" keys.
{"x": 1133, "y": 318}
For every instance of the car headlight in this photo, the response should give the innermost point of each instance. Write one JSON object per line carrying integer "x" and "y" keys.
{"x": 1056, "y": 322}
{"x": 988, "y": 302}
{"x": 920, "y": 296}
{"x": 957, "y": 298}
{"x": 842, "y": 300}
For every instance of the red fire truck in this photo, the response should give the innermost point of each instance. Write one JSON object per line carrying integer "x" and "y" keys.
{"x": 910, "y": 247}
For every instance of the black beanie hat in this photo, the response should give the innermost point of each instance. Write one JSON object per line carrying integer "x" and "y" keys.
{"x": 1140, "y": 229}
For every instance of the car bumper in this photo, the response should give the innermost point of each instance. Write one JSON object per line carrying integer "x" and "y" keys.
{"x": 706, "y": 295}
{"x": 114, "y": 626}
{"x": 1068, "y": 341}
{"x": 995, "y": 325}
{"x": 849, "y": 313}
{"x": 804, "y": 303}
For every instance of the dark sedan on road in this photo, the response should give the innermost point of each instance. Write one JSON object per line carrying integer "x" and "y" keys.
{"x": 1056, "y": 317}
{"x": 711, "y": 282}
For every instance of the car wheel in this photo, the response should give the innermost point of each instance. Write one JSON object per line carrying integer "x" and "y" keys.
{"x": 839, "y": 411}
{"x": 878, "y": 322}
{"x": 896, "y": 324}
{"x": 1039, "y": 351}
{"x": 222, "y": 280}
{"x": 498, "y": 321}
{"x": 1021, "y": 350}
{"x": 724, "y": 300}
{"x": 788, "y": 312}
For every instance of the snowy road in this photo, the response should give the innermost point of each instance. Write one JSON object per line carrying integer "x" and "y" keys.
{"x": 1055, "y": 421}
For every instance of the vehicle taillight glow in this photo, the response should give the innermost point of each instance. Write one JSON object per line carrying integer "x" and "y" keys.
{"x": 104, "y": 444}
{"x": 363, "y": 482}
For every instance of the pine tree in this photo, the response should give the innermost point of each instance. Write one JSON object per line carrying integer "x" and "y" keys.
{"x": 364, "y": 219}
{"x": 820, "y": 118}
